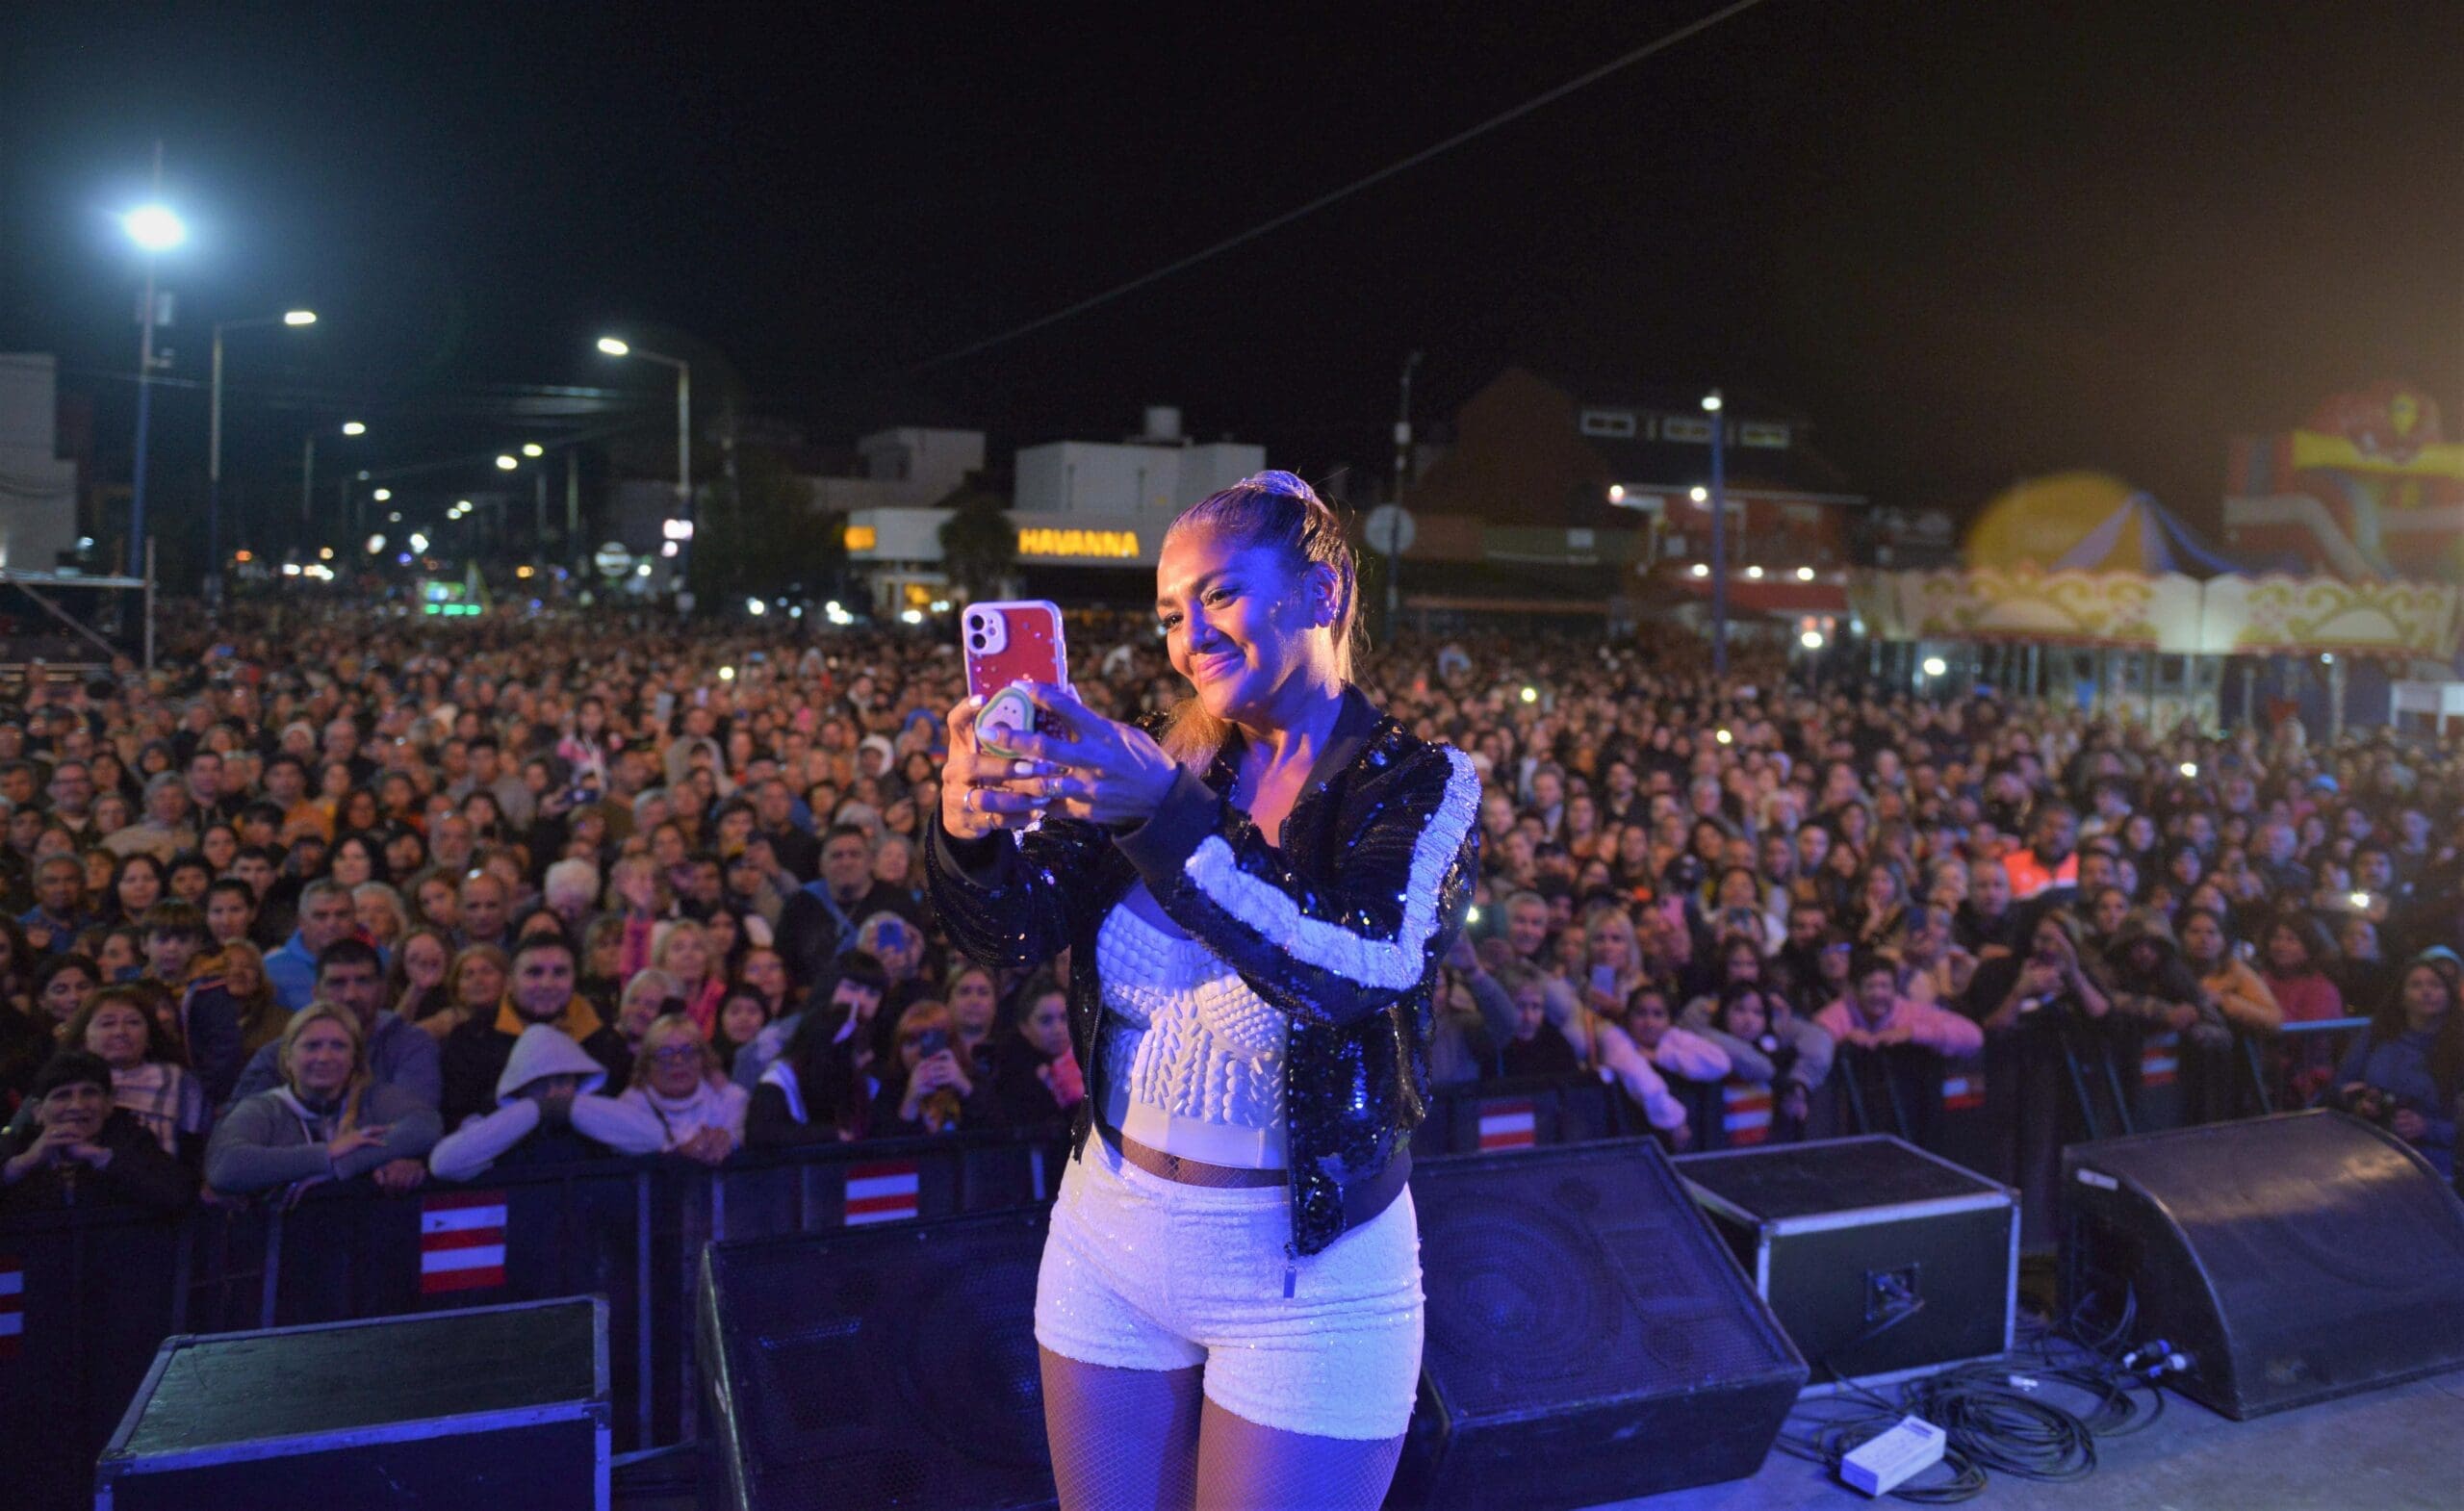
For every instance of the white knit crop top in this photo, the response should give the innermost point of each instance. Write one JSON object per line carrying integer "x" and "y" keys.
{"x": 1194, "y": 1059}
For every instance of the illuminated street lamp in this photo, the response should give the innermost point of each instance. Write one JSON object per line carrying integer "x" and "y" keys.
{"x": 507, "y": 464}
{"x": 308, "y": 467}
{"x": 683, "y": 417}
{"x": 534, "y": 448}
{"x": 1712, "y": 404}
{"x": 294, "y": 319}
{"x": 154, "y": 229}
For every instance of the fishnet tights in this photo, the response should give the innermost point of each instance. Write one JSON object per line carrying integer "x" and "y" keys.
{"x": 1147, "y": 1440}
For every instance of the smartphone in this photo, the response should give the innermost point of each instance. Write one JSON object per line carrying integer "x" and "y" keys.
{"x": 1004, "y": 644}
{"x": 1603, "y": 980}
{"x": 932, "y": 1041}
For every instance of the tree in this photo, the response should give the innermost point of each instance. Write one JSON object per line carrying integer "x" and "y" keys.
{"x": 760, "y": 536}
{"x": 979, "y": 544}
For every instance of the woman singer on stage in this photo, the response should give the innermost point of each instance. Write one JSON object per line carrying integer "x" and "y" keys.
{"x": 1255, "y": 897}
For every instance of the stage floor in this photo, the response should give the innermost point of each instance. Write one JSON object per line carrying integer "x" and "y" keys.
{"x": 2401, "y": 1447}
{"x": 2397, "y": 1450}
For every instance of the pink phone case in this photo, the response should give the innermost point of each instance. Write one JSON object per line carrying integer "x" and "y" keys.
{"x": 1035, "y": 653}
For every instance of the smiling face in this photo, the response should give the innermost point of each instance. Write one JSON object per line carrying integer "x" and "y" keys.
{"x": 321, "y": 1058}
{"x": 79, "y": 1107}
{"x": 64, "y": 995}
{"x": 543, "y": 984}
{"x": 677, "y": 1060}
{"x": 1242, "y": 622}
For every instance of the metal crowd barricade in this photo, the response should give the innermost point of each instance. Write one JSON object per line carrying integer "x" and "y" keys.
{"x": 1499, "y": 1115}
{"x": 86, "y": 1296}
{"x": 2303, "y": 1059}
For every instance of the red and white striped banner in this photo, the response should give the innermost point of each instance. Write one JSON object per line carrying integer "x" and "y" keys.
{"x": 1745, "y": 1112}
{"x": 1963, "y": 1094}
{"x": 13, "y": 1306}
{"x": 882, "y": 1192}
{"x": 2160, "y": 1059}
{"x": 461, "y": 1242}
{"x": 1507, "y": 1125}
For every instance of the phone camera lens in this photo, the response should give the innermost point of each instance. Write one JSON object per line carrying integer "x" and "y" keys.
{"x": 976, "y": 641}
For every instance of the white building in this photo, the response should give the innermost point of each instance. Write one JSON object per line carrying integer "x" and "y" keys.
{"x": 37, "y": 488}
{"x": 1077, "y": 504}
{"x": 1153, "y": 475}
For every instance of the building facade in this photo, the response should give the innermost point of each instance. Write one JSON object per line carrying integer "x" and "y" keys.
{"x": 1090, "y": 516}
{"x": 37, "y": 486}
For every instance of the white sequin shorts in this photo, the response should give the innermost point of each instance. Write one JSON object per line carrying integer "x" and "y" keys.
{"x": 1144, "y": 1273}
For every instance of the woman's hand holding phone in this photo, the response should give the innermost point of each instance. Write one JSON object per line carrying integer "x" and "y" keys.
{"x": 982, "y": 793}
{"x": 1109, "y": 772}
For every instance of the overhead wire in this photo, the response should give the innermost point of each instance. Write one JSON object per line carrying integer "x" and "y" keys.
{"x": 1272, "y": 223}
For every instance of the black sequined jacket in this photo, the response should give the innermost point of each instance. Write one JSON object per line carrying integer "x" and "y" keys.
{"x": 1340, "y": 928}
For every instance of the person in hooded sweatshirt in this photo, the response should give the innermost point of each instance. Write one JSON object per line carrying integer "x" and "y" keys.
{"x": 548, "y": 1111}
{"x": 475, "y": 1056}
{"x": 328, "y": 1120}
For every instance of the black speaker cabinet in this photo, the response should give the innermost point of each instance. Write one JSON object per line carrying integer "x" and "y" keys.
{"x": 490, "y": 1406}
{"x": 889, "y": 1366}
{"x": 1590, "y": 1339}
{"x": 2292, "y": 1259}
{"x": 1882, "y": 1260}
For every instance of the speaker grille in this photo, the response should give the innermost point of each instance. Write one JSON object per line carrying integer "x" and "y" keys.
{"x": 2294, "y": 1258}
{"x": 892, "y": 1366}
{"x": 1584, "y": 1275}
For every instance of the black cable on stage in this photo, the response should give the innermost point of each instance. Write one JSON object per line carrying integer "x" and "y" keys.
{"x": 2008, "y": 1415}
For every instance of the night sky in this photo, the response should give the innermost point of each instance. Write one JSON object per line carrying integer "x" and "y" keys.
{"x": 1968, "y": 241}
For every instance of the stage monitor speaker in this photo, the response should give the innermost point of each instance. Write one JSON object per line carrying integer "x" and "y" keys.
{"x": 892, "y": 1365}
{"x": 487, "y": 1406}
{"x": 2290, "y": 1259}
{"x": 1590, "y": 1338}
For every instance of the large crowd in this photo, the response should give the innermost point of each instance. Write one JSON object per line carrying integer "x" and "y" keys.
{"x": 338, "y": 897}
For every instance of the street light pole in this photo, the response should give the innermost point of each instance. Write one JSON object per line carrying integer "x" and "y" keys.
{"x": 1402, "y": 473}
{"x": 213, "y": 475}
{"x": 1713, "y": 406}
{"x": 683, "y": 432}
{"x": 146, "y": 372}
{"x": 307, "y": 480}
{"x": 214, "y": 445}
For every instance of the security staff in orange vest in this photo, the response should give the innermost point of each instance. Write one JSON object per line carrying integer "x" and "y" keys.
{"x": 2047, "y": 874}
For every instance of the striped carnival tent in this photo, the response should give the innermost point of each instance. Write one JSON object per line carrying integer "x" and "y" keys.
{"x": 2087, "y": 522}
